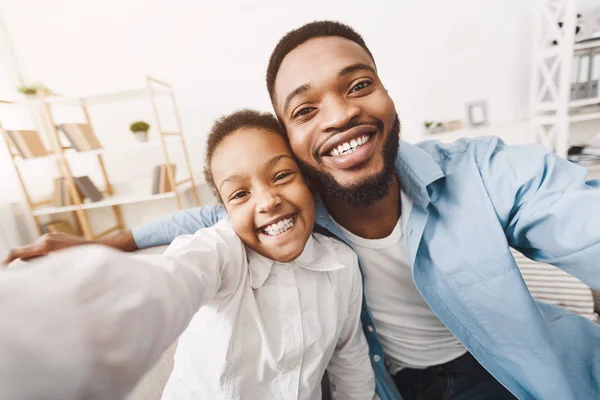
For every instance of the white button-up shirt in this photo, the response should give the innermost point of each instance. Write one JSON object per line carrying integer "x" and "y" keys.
{"x": 268, "y": 330}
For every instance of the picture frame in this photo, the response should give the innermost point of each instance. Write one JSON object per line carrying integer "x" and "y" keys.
{"x": 477, "y": 113}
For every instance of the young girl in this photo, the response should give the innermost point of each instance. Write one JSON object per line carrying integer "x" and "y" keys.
{"x": 278, "y": 304}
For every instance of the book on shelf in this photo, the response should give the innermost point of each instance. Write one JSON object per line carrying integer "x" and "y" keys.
{"x": 27, "y": 143}
{"x": 160, "y": 180}
{"x": 59, "y": 226}
{"x": 583, "y": 78}
{"x": 62, "y": 195}
{"x": 594, "y": 74}
{"x": 81, "y": 136}
{"x": 87, "y": 188}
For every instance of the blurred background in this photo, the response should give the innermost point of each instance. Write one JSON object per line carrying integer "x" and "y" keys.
{"x": 75, "y": 73}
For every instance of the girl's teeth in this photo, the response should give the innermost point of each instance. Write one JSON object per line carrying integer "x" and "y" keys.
{"x": 279, "y": 227}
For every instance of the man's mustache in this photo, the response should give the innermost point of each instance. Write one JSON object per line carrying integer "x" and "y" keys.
{"x": 351, "y": 124}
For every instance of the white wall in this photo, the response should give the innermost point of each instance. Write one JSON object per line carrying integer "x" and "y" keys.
{"x": 433, "y": 55}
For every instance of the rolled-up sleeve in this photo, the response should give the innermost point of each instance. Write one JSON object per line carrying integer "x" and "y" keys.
{"x": 548, "y": 210}
{"x": 186, "y": 222}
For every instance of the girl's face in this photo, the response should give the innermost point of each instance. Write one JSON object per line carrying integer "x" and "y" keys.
{"x": 267, "y": 199}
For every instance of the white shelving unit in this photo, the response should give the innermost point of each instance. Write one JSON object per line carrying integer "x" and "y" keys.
{"x": 552, "y": 111}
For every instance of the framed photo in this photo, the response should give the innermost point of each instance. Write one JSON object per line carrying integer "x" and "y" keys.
{"x": 477, "y": 113}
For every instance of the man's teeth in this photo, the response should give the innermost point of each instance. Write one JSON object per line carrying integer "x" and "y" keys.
{"x": 350, "y": 147}
{"x": 279, "y": 227}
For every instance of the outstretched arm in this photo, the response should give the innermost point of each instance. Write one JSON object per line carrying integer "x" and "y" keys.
{"x": 88, "y": 322}
{"x": 160, "y": 232}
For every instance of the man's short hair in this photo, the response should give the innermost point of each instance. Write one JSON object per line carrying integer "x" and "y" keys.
{"x": 301, "y": 35}
{"x": 225, "y": 126}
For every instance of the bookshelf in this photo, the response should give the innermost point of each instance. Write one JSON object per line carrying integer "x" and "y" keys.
{"x": 62, "y": 156}
{"x": 553, "y": 112}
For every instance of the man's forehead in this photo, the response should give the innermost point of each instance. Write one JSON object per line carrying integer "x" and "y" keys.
{"x": 318, "y": 58}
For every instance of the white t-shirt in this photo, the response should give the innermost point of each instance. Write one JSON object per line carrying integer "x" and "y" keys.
{"x": 410, "y": 333}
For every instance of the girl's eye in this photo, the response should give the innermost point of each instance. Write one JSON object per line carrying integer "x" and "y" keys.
{"x": 302, "y": 112}
{"x": 239, "y": 195}
{"x": 281, "y": 176}
{"x": 360, "y": 86}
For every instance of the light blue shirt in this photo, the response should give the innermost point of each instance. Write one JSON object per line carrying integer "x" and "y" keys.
{"x": 472, "y": 201}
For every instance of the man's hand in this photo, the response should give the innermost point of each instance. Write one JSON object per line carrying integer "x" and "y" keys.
{"x": 44, "y": 245}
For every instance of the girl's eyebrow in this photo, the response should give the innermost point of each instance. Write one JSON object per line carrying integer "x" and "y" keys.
{"x": 268, "y": 163}
{"x": 231, "y": 178}
{"x": 276, "y": 159}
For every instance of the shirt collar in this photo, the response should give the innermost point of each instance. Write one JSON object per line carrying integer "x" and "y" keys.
{"x": 318, "y": 255}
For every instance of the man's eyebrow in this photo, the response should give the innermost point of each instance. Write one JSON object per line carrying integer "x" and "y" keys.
{"x": 344, "y": 71}
{"x": 296, "y": 92}
{"x": 356, "y": 67}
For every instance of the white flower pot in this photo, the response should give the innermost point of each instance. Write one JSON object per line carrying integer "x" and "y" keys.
{"x": 141, "y": 137}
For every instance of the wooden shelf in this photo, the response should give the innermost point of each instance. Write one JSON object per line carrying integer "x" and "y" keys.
{"x": 94, "y": 99}
{"x": 108, "y": 150}
{"x": 134, "y": 192}
{"x": 511, "y": 131}
{"x": 117, "y": 199}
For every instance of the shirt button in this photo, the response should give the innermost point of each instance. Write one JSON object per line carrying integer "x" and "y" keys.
{"x": 370, "y": 328}
{"x": 293, "y": 366}
{"x": 376, "y": 358}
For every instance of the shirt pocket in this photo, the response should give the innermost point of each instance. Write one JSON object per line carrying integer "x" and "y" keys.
{"x": 498, "y": 306}
{"x": 483, "y": 271}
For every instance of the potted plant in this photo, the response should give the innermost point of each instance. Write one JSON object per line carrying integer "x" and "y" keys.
{"x": 34, "y": 90}
{"x": 140, "y": 130}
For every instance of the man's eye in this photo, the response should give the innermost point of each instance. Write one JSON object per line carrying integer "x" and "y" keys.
{"x": 360, "y": 86}
{"x": 302, "y": 112}
{"x": 239, "y": 195}
{"x": 281, "y": 176}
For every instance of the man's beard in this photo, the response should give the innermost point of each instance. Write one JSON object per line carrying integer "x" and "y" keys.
{"x": 370, "y": 190}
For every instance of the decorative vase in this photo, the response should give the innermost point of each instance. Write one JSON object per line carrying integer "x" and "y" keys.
{"x": 142, "y": 136}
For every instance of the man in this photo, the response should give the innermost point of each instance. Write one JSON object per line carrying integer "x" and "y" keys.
{"x": 448, "y": 316}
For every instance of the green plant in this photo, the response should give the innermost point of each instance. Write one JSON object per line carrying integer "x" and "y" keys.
{"x": 139, "y": 126}
{"x": 428, "y": 124}
{"x": 32, "y": 89}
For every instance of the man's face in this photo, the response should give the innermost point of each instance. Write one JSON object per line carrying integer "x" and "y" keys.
{"x": 341, "y": 122}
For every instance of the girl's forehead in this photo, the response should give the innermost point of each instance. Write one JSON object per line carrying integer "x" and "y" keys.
{"x": 248, "y": 151}
{"x": 250, "y": 144}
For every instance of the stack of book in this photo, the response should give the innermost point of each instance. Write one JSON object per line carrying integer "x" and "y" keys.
{"x": 27, "y": 143}
{"x": 586, "y": 154}
{"x": 85, "y": 187}
{"x": 81, "y": 136}
{"x": 160, "y": 181}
